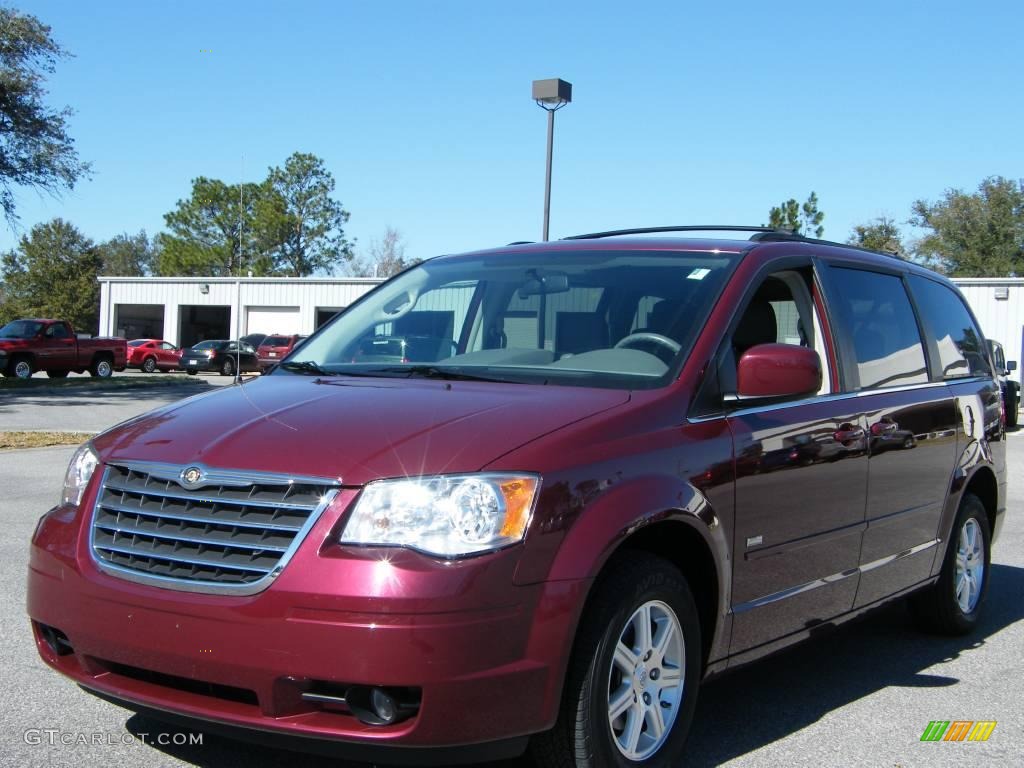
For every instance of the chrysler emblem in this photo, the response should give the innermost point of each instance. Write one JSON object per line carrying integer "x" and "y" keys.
{"x": 191, "y": 477}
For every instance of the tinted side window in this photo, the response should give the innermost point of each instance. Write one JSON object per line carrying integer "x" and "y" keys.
{"x": 885, "y": 338}
{"x": 961, "y": 351}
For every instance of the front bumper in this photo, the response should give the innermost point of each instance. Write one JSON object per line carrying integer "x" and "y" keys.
{"x": 488, "y": 657}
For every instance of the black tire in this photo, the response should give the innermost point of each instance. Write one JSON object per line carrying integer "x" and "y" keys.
{"x": 583, "y": 736}
{"x": 227, "y": 368}
{"x": 1012, "y": 402}
{"x": 149, "y": 365}
{"x": 58, "y": 374}
{"x": 101, "y": 368}
{"x": 190, "y": 372}
{"x": 937, "y": 609}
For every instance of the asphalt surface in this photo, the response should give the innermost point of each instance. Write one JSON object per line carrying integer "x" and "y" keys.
{"x": 859, "y": 696}
{"x": 84, "y": 409}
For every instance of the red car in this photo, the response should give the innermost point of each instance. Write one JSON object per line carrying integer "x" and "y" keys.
{"x": 547, "y": 535}
{"x": 152, "y": 355}
{"x": 274, "y": 348}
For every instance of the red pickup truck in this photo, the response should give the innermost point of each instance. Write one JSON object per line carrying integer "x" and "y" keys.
{"x": 27, "y": 346}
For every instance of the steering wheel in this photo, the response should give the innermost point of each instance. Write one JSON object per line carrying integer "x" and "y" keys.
{"x": 643, "y": 336}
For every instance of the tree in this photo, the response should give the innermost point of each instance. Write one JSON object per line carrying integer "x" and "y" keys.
{"x": 128, "y": 255}
{"x": 35, "y": 149}
{"x": 52, "y": 273}
{"x": 979, "y": 235}
{"x": 205, "y": 230}
{"x": 801, "y": 219}
{"x": 882, "y": 234}
{"x": 386, "y": 257}
{"x": 299, "y": 224}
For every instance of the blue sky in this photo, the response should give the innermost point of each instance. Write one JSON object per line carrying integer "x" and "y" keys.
{"x": 683, "y": 113}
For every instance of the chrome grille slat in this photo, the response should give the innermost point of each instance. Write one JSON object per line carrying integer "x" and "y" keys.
{"x": 127, "y": 530}
{"x": 233, "y": 534}
{"x": 161, "y": 555}
{"x": 220, "y": 520}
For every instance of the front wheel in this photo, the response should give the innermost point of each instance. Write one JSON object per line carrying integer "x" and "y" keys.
{"x": 632, "y": 685}
{"x": 1012, "y": 407}
{"x": 20, "y": 368}
{"x": 952, "y": 606}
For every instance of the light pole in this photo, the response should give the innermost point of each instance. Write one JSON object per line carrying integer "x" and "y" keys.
{"x": 550, "y": 95}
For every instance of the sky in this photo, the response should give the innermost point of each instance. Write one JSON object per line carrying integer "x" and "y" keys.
{"x": 682, "y": 112}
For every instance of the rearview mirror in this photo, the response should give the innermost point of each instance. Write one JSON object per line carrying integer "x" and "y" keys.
{"x": 777, "y": 370}
{"x": 1011, "y": 366}
{"x": 549, "y": 282}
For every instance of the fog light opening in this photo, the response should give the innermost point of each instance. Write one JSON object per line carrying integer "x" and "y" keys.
{"x": 382, "y": 706}
{"x": 56, "y": 640}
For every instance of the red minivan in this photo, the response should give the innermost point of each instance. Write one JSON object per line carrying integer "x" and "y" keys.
{"x": 631, "y": 464}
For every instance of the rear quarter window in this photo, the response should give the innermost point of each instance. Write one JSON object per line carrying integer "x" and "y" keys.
{"x": 959, "y": 343}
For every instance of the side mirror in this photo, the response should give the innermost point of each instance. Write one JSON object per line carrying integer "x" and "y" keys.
{"x": 1011, "y": 366}
{"x": 777, "y": 370}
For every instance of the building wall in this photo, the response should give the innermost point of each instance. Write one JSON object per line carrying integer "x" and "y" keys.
{"x": 306, "y": 293}
{"x": 1001, "y": 320}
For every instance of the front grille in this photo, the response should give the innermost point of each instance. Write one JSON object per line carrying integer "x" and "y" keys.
{"x": 230, "y": 532}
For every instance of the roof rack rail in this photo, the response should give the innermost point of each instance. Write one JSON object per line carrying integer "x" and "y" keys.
{"x": 787, "y": 236}
{"x": 690, "y": 228}
{"x": 521, "y": 242}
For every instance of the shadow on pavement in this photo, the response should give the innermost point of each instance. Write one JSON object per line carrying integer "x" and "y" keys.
{"x": 798, "y": 687}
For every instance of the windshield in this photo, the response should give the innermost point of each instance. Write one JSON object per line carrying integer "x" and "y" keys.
{"x": 20, "y": 329}
{"x": 604, "y": 318}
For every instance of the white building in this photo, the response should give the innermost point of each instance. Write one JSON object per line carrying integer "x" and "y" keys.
{"x": 184, "y": 310}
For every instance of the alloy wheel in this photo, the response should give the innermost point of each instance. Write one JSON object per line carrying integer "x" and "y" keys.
{"x": 645, "y": 682}
{"x": 970, "y": 565}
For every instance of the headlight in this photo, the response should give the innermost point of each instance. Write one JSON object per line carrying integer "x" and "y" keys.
{"x": 447, "y": 515}
{"x": 82, "y": 465}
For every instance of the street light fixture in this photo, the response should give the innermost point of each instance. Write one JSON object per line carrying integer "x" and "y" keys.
{"x": 550, "y": 95}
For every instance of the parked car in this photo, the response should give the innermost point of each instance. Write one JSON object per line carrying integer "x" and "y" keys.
{"x": 219, "y": 355}
{"x": 254, "y": 339}
{"x": 27, "y": 346}
{"x": 275, "y": 348}
{"x": 545, "y": 538}
{"x": 152, "y": 355}
{"x": 1010, "y": 388}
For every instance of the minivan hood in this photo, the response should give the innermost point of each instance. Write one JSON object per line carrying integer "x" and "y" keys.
{"x": 353, "y": 429}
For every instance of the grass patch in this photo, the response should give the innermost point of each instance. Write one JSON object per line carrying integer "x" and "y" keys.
{"x": 89, "y": 382}
{"x": 14, "y": 440}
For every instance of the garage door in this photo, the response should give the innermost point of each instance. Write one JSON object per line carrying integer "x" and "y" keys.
{"x": 283, "y": 320}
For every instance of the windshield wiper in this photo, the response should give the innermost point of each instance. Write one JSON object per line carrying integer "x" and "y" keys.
{"x": 437, "y": 372}
{"x": 307, "y": 367}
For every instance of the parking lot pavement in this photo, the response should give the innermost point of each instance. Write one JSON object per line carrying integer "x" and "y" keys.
{"x": 860, "y": 696}
{"x": 83, "y": 409}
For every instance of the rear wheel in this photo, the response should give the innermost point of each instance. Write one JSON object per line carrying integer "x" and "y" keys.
{"x": 149, "y": 365}
{"x": 952, "y": 606}
{"x": 101, "y": 368}
{"x": 1012, "y": 401}
{"x": 228, "y": 367}
{"x": 632, "y": 685}
{"x": 57, "y": 374}
{"x": 190, "y": 372}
